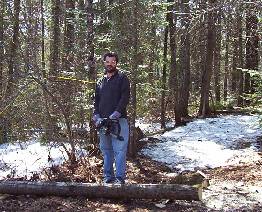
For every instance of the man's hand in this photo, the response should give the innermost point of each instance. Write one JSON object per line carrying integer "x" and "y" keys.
{"x": 96, "y": 118}
{"x": 98, "y": 122}
{"x": 115, "y": 115}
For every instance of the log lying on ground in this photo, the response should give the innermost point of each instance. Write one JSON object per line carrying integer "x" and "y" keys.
{"x": 91, "y": 190}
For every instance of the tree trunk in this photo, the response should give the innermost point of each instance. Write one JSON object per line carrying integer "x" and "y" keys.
{"x": 32, "y": 39}
{"x": 43, "y": 41}
{"x": 240, "y": 57}
{"x": 69, "y": 38}
{"x": 67, "y": 87}
{"x": 2, "y": 8}
{"x": 217, "y": 59}
{"x": 90, "y": 54}
{"x": 81, "y": 49}
{"x": 234, "y": 75}
{"x": 251, "y": 48}
{"x": 185, "y": 59}
{"x": 135, "y": 63}
{"x": 13, "y": 51}
{"x": 201, "y": 44}
{"x": 55, "y": 62}
{"x": 163, "y": 86}
{"x": 55, "y": 40}
{"x": 127, "y": 191}
{"x": 173, "y": 80}
{"x": 3, "y": 138}
{"x": 226, "y": 72}
{"x": 8, "y": 94}
{"x": 44, "y": 74}
{"x": 152, "y": 49}
{"x": 204, "y": 109}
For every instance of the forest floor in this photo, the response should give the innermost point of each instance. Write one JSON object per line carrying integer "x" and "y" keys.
{"x": 232, "y": 188}
{"x": 236, "y": 187}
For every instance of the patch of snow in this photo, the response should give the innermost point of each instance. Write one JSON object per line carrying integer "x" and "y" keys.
{"x": 210, "y": 142}
{"x": 150, "y": 127}
{"x": 22, "y": 159}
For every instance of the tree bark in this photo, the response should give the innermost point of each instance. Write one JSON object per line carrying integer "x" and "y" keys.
{"x": 43, "y": 41}
{"x": 2, "y": 125}
{"x": 251, "y": 48}
{"x": 240, "y": 100}
{"x": 185, "y": 59}
{"x": 173, "y": 80}
{"x": 204, "y": 109}
{"x": 127, "y": 191}
{"x": 201, "y": 44}
{"x": 55, "y": 40}
{"x": 81, "y": 48}
{"x": 234, "y": 76}
{"x": 12, "y": 69}
{"x": 2, "y": 59}
{"x": 217, "y": 59}
{"x": 163, "y": 85}
{"x": 226, "y": 72}
{"x": 13, "y": 51}
{"x": 69, "y": 38}
{"x": 135, "y": 63}
{"x": 1, "y": 47}
{"x": 90, "y": 55}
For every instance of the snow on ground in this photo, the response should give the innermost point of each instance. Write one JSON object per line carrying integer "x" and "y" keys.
{"x": 210, "y": 142}
{"x": 202, "y": 143}
{"x": 22, "y": 159}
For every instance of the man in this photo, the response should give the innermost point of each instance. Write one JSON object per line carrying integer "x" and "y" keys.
{"x": 111, "y": 99}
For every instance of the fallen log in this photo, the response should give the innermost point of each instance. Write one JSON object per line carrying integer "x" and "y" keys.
{"x": 92, "y": 190}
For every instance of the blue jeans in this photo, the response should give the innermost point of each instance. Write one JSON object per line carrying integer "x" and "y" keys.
{"x": 114, "y": 150}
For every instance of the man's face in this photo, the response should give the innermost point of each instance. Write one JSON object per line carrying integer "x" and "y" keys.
{"x": 110, "y": 64}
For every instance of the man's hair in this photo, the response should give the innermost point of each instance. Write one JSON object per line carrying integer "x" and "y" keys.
{"x": 111, "y": 54}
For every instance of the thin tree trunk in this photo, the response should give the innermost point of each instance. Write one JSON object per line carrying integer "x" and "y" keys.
{"x": 226, "y": 72}
{"x": 67, "y": 90}
{"x": 251, "y": 49}
{"x": 12, "y": 70}
{"x": 217, "y": 59}
{"x": 132, "y": 142}
{"x": 43, "y": 41}
{"x": 30, "y": 61}
{"x": 152, "y": 53}
{"x": 173, "y": 81}
{"x": 204, "y": 109}
{"x": 164, "y": 75}
{"x": 202, "y": 41}
{"x": 90, "y": 54}
{"x": 2, "y": 9}
{"x": 3, "y": 132}
{"x": 240, "y": 57}
{"x": 81, "y": 40}
{"x": 81, "y": 52}
{"x": 234, "y": 75}
{"x": 44, "y": 74}
{"x": 55, "y": 41}
{"x": 13, "y": 51}
{"x": 55, "y": 60}
{"x": 69, "y": 38}
{"x": 185, "y": 59}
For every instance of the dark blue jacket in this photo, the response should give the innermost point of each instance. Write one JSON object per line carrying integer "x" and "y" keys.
{"x": 112, "y": 95}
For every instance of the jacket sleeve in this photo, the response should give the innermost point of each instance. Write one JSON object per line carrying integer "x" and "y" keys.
{"x": 125, "y": 95}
